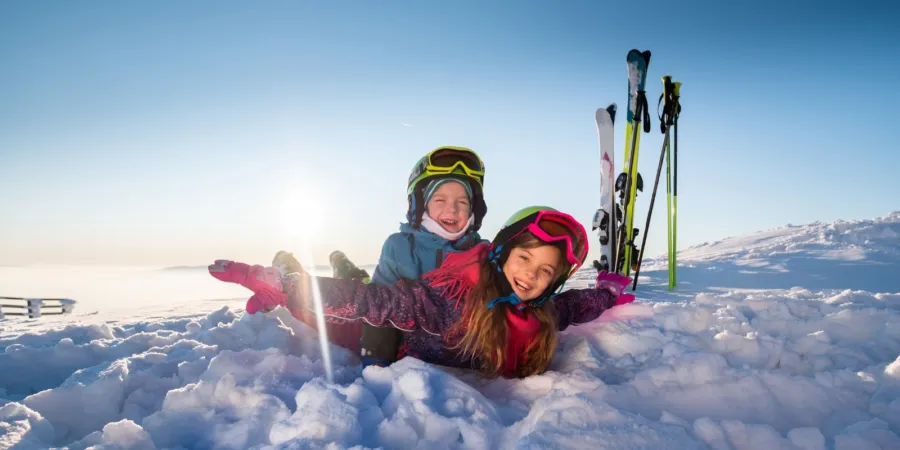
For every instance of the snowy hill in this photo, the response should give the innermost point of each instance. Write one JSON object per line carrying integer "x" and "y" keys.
{"x": 860, "y": 254}
{"x": 782, "y": 339}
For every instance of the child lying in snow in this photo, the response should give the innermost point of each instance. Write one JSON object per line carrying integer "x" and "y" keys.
{"x": 485, "y": 308}
{"x": 445, "y": 197}
{"x": 266, "y": 282}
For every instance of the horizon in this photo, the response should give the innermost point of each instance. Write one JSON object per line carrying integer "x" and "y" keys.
{"x": 372, "y": 265}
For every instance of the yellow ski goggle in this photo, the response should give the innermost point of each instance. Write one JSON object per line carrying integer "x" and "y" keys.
{"x": 446, "y": 161}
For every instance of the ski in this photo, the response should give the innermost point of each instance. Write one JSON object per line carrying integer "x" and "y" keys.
{"x": 605, "y": 219}
{"x": 630, "y": 181}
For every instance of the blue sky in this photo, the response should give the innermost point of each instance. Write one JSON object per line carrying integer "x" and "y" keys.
{"x": 168, "y": 133}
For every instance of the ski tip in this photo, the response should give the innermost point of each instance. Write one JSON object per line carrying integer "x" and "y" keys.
{"x": 635, "y": 55}
{"x": 603, "y": 115}
{"x": 611, "y": 109}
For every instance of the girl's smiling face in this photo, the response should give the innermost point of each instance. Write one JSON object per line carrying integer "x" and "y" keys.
{"x": 531, "y": 270}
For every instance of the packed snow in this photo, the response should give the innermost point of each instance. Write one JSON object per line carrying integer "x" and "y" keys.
{"x": 784, "y": 339}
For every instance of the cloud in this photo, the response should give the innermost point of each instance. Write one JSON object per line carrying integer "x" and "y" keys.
{"x": 406, "y": 124}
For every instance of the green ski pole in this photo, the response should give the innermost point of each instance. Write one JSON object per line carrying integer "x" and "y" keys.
{"x": 670, "y": 251}
{"x": 673, "y": 254}
{"x": 665, "y": 122}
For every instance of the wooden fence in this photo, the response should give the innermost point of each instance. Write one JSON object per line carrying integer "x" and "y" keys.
{"x": 35, "y": 307}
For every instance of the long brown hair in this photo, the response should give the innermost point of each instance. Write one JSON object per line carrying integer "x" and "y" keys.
{"x": 486, "y": 331}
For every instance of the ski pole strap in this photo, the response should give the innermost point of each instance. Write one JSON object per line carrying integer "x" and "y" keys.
{"x": 676, "y": 90}
{"x": 669, "y": 100}
{"x": 661, "y": 114}
{"x": 642, "y": 106}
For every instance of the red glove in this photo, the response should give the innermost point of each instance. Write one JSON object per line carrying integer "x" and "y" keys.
{"x": 256, "y": 278}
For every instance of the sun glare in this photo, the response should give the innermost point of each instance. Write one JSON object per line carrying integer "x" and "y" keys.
{"x": 302, "y": 215}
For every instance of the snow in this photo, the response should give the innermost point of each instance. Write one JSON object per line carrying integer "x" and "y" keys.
{"x": 783, "y": 339}
{"x": 854, "y": 255}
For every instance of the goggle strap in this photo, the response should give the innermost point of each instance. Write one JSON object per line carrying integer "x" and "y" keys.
{"x": 512, "y": 299}
{"x": 494, "y": 254}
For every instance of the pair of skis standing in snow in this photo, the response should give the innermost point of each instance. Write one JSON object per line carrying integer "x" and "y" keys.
{"x": 614, "y": 220}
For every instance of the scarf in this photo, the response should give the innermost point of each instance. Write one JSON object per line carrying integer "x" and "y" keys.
{"x": 458, "y": 274}
{"x": 433, "y": 226}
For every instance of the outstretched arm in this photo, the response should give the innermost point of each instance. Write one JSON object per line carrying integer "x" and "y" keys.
{"x": 578, "y": 306}
{"x": 406, "y": 305}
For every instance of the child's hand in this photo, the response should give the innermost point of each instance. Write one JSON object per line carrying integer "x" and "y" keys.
{"x": 256, "y": 278}
{"x": 624, "y": 298}
{"x": 613, "y": 282}
{"x": 265, "y": 301}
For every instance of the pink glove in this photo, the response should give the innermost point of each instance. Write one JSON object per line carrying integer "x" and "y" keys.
{"x": 256, "y": 278}
{"x": 624, "y": 298}
{"x": 615, "y": 283}
{"x": 265, "y": 301}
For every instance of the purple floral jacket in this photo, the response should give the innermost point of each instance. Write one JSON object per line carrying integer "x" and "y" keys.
{"x": 426, "y": 316}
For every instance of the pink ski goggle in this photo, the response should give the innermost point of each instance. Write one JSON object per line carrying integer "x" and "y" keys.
{"x": 576, "y": 249}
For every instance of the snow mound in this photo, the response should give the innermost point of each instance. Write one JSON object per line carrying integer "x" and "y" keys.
{"x": 857, "y": 254}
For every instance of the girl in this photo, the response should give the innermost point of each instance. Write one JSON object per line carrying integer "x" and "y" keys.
{"x": 446, "y": 207}
{"x": 486, "y": 308}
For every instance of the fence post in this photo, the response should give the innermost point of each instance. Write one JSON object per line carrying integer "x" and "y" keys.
{"x": 67, "y": 305}
{"x": 34, "y": 308}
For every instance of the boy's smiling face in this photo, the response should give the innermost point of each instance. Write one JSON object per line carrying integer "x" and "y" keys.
{"x": 450, "y": 206}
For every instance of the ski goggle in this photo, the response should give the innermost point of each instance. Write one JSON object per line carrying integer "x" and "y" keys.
{"x": 446, "y": 161}
{"x": 540, "y": 224}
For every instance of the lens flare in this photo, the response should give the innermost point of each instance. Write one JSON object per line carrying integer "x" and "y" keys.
{"x": 301, "y": 216}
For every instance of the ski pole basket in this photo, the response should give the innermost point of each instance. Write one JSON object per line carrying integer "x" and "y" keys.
{"x": 34, "y": 308}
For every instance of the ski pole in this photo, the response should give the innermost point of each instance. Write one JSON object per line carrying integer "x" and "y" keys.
{"x": 666, "y": 120}
{"x": 662, "y": 154}
{"x": 673, "y": 261}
